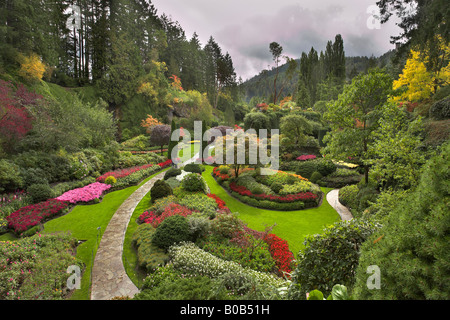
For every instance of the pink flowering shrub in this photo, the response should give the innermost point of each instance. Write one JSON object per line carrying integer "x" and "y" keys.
{"x": 85, "y": 194}
{"x": 306, "y": 157}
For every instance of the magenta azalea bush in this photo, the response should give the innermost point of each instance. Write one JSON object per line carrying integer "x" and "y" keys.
{"x": 85, "y": 194}
{"x": 29, "y": 216}
{"x": 306, "y": 157}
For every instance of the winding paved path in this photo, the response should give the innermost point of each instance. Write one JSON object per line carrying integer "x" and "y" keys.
{"x": 333, "y": 200}
{"x": 109, "y": 278}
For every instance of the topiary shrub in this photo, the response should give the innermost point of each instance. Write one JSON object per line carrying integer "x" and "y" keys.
{"x": 348, "y": 196}
{"x": 193, "y": 167}
{"x": 412, "y": 248}
{"x": 172, "y": 172}
{"x": 193, "y": 182}
{"x": 173, "y": 229}
{"x": 160, "y": 190}
{"x": 40, "y": 192}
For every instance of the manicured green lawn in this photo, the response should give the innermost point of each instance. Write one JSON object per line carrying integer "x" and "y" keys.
{"x": 292, "y": 226}
{"x": 83, "y": 222}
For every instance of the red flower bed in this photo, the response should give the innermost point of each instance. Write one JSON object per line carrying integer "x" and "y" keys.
{"x": 279, "y": 249}
{"x": 171, "y": 210}
{"x": 29, "y": 216}
{"x": 222, "y": 176}
{"x": 165, "y": 163}
{"x": 301, "y": 196}
{"x": 219, "y": 201}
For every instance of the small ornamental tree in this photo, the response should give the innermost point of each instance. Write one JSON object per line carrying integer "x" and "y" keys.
{"x": 160, "y": 135}
{"x": 149, "y": 123}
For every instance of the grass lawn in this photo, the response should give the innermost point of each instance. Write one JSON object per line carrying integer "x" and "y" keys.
{"x": 292, "y": 226}
{"x": 83, "y": 222}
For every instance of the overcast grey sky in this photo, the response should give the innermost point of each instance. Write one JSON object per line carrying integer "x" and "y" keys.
{"x": 245, "y": 28}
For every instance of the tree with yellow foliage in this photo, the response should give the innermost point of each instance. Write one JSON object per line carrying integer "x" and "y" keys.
{"x": 416, "y": 82}
{"x": 31, "y": 67}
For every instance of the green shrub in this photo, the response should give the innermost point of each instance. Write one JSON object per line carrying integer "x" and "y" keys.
{"x": 149, "y": 256}
{"x": 160, "y": 189}
{"x": 306, "y": 168}
{"x": 412, "y": 248}
{"x": 40, "y": 192}
{"x": 315, "y": 177}
{"x": 331, "y": 257}
{"x": 325, "y": 167}
{"x": 193, "y": 182}
{"x": 440, "y": 110}
{"x": 198, "y": 226}
{"x": 276, "y": 187}
{"x": 193, "y": 167}
{"x": 160, "y": 204}
{"x": 173, "y": 183}
{"x": 172, "y": 230}
{"x": 172, "y": 172}
{"x": 200, "y": 202}
{"x": 110, "y": 180}
{"x": 226, "y": 225}
{"x": 10, "y": 178}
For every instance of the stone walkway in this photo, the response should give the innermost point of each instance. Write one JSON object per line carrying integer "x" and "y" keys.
{"x": 333, "y": 200}
{"x": 109, "y": 278}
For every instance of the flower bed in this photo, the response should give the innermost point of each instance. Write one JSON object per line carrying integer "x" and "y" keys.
{"x": 30, "y": 216}
{"x": 171, "y": 210}
{"x": 220, "y": 202}
{"x": 86, "y": 194}
{"x": 122, "y": 173}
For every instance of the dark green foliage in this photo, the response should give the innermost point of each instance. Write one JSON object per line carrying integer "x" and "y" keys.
{"x": 276, "y": 186}
{"x": 160, "y": 189}
{"x": 413, "y": 247}
{"x": 172, "y": 230}
{"x": 193, "y": 167}
{"x": 315, "y": 177}
{"x": 331, "y": 257}
{"x": 10, "y": 178}
{"x": 441, "y": 110}
{"x": 180, "y": 288}
{"x": 325, "y": 167}
{"x": 256, "y": 121}
{"x": 306, "y": 168}
{"x": 149, "y": 256}
{"x": 172, "y": 172}
{"x": 40, "y": 192}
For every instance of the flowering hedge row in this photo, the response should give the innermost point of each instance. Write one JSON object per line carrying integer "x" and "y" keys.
{"x": 29, "y": 216}
{"x": 122, "y": 173}
{"x": 88, "y": 193}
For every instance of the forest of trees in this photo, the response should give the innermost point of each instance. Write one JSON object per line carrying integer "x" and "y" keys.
{"x": 122, "y": 48}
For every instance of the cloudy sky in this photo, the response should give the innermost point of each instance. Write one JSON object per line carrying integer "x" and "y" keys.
{"x": 245, "y": 28}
